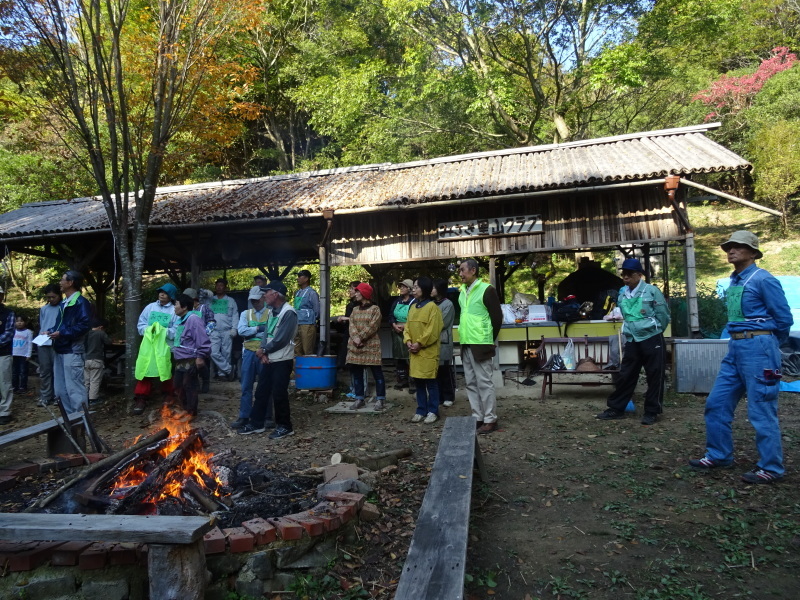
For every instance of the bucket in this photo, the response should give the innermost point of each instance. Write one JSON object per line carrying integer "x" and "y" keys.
{"x": 315, "y": 372}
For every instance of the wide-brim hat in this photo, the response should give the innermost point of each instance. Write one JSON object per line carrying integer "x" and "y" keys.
{"x": 406, "y": 282}
{"x": 169, "y": 289}
{"x": 191, "y": 292}
{"x": 745, "y": 238}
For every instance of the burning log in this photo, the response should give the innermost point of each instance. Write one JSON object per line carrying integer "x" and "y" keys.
{"x": 154, "y": 481}
{"x": 210, "y": 504}
{"x": 88, "y": 497}
{"x": 98, "y": 466}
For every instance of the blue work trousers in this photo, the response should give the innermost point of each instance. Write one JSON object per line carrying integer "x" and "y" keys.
{"x": 251, "y": 369}
{"x": 742, "y": 371}
{"x": 427, "y": 396}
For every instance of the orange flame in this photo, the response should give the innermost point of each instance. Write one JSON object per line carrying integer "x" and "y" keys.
{"x": 195, "y": 464}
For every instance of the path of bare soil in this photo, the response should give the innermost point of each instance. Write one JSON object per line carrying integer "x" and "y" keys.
{"x": 575, "y": 507}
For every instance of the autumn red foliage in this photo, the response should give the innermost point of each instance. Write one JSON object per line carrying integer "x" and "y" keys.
{"x": 729, "y": 94}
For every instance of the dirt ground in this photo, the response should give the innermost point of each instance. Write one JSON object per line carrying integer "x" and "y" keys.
{"x": 575, "y": 507}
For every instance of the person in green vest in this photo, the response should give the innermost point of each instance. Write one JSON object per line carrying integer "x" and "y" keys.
{"x": 226, "y": 315}
{"x": 162, "y": 311}
{"x": 398, "y": 315}
{"x": 646, "y": 316}
{"x": 481, "y": 318}
{"x": 252, "y": 324}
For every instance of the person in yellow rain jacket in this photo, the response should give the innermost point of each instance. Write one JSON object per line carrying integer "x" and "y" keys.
{"x": 422, "y": 338}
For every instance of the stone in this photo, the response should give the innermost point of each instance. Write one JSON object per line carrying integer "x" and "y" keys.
{"x": 107, "y": 590}
{"x": 369, "y": 512}
{"x": 340, "y": 472}
{"x": 177, "y": 571}
{"x": 224, "y": 564}
{"x": 290, "y": 554}
{"x": 48, "y": 587}
{"x": 260, "y": 563}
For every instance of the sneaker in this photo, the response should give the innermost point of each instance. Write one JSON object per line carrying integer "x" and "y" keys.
{"x": 350, "y": 395}
{"x": 431, "y": 418}
{"x": 417, "y": 418}
{"x": 706, "y": 464}
{"x": 649, "y": 419}
{"x": 487, "y": 428}
{"x": 359, "y": 403}
{"x": 204, "y": 387}
{"x": 380, "y": 404}
{"x": 249, "y": 429}
{"x": 239, "y": 423}
{"x": 280, "y": 432}
{"x": 412, "y": 390}
{"x": 138, "y": 406}
{"x": 760, "y": 476}
{"x": 6, "y": 419}
{"x": 447, "y": 403}
{"x": 478, "y": 424}
{"x": 400, "y": 385}
{"x": 610, "y": 414}
{"x": 269, "y": 424}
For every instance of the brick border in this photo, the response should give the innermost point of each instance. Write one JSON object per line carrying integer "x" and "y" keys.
{"x": 329, "y": 515}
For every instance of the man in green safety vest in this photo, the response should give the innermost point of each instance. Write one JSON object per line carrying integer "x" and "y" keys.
{"x": 481, "y": 318}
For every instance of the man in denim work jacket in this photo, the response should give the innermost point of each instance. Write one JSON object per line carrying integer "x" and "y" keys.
{"x": 759, "y": 319}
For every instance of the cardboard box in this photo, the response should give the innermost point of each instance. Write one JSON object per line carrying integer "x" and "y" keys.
{"x": 539, "y": 312}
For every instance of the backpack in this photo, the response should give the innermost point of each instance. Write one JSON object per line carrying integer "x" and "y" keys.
{"x": 566, "y": 312}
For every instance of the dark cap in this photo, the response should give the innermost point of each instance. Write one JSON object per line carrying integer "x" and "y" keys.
{"x": 632, "y": 264}
{"x": 276, "y": 286}
{"x": 305, "y": 272}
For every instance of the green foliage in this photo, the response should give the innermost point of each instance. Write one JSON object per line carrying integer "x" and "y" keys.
{"x": 327, "y": 587}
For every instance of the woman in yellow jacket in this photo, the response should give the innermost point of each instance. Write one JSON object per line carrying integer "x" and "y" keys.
{"x": 422, "y": 337}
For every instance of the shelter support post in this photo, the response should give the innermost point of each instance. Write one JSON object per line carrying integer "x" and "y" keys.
{"x": 195, "y": 275}
{"x": 691, "y": 286}
{"x": 493, "y": 272}
{"x": 325, "y": 286}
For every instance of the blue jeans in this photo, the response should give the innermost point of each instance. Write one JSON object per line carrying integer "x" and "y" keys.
{"x": 742, "y": 371}
{"x": 19, "y": 375}
{"x": 427, "y": 396}
{"x": 357, "y": 371}
{"x": 251, "y": 369}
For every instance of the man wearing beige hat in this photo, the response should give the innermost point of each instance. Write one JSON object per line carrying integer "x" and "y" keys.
{"x": 758, "y": 321}
{"x": 7, "y": 319}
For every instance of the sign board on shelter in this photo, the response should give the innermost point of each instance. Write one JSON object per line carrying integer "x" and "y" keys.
{"x": 499, "y": 226}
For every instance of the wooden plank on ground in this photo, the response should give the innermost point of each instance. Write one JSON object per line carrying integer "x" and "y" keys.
{"x": 434, "y": 568}
{"x": 13, "y": 437}
{"x": 101, "y": 528}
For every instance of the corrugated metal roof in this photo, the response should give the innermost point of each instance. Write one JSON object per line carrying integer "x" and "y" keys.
{"x": 629, "y": 157}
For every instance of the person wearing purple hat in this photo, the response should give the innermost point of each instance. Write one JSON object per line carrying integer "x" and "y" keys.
{"x": 646, "y": 316}
{"x": 759, "y": 319}
{"x": 364, "y": 347}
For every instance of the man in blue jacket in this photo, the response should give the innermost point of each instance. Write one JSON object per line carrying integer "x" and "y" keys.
{"x": 759, "y": 319}
{"x": 72, "y": 326}
{"x": 646, "y": 316}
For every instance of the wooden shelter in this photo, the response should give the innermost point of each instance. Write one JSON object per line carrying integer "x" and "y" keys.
{"x": 621, "y": 192}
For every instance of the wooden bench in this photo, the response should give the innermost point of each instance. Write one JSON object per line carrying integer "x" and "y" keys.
{"x": 596, "y": 348}
{"x": 56, "y": 439}
{"x": 176, "y": 562}
{"x": 436, "y": 561}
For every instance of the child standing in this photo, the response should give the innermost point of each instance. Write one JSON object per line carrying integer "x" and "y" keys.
{"x": 94, "y": 360}
{"x": 191, "y": 350}
{"x": 21, "y": 351}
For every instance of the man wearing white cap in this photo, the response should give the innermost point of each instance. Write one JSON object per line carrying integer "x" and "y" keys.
{"x": 252, "y": 324}
{"x": 759, "y": 319}
{"x": 7, "y": 319}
